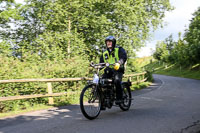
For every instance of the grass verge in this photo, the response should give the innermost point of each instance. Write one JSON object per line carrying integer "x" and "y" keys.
{"x": 140, "y": 86}
{"x": 30, "y": 109}
{"x": 192, "y": 72}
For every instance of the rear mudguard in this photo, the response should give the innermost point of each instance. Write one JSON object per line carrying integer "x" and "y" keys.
{"x": 128, "y": 83}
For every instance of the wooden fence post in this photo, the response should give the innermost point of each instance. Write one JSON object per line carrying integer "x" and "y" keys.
{"x": 130, "y": 79}
{"x": 137, "y": 79}
{"x": 49, "y": 89}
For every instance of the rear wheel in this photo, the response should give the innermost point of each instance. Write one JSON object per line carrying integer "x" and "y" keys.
{"x": 125, "y": 105}
{"x": 90, "y": 102}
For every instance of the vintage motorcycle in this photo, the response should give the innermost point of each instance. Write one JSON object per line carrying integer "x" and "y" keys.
{"x": 100, "y": 92}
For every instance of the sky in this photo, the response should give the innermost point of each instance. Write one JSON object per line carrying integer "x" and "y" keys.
{"x": 19, "y": 1}
{"x": 176, "y": 21}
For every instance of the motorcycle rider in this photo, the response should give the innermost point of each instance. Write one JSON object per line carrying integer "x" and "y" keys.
{"x": 114, "y": 55}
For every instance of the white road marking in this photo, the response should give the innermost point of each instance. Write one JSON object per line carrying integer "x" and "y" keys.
{"x": 162, "y": 83}
{"x": 149, "y": 98}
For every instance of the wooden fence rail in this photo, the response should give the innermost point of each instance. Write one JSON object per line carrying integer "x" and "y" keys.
{"x": 50, "y": 93}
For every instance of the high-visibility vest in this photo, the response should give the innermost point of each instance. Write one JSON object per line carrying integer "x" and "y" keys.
{"x": 111, "y": 58}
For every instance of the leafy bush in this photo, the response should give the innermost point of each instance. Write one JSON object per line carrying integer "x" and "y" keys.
{"x": 15, "y": 69}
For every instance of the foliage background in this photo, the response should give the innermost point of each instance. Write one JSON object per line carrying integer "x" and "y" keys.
{"x": 58, "y": 39}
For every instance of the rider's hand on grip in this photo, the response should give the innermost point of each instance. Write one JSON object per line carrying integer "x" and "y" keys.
{"x": 116, "y": 66}
{"x": 92, "y": 64}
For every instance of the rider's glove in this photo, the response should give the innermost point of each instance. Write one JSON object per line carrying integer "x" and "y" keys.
{"x": 116, "y": 66}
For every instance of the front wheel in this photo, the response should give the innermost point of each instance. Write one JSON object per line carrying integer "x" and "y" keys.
{"x": 90, "y": 102}
{"x": 126, "y": 98}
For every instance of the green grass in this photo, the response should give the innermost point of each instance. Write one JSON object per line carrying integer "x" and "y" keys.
{"x": 58, "y": 101}
{"x": 30, "y": 109}
{"x": 140, "y": 86}
{"x": 175, "y": 70}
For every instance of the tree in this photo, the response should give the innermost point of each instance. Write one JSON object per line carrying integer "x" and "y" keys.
{"x": 161, "y": 52}
{"x": 192, "y": 37}
{"x": 8, "y": 14}
{"x": 91, "y": 21}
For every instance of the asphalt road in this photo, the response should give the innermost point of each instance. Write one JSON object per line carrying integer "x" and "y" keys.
{"x": 170, "y": 105}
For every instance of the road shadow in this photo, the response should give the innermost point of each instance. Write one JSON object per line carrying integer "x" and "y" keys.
{"x": 69, "y": 112}
{"x": 56, "y": 119}
{"x": 155, "y": 85}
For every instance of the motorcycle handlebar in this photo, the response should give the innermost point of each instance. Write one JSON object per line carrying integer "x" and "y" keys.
{"x": 100, "y": 65}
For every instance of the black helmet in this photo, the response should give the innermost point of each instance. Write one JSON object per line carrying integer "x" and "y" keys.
{"x": 111, "y": 38}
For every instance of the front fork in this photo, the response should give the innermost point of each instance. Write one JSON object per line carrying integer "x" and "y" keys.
{"x": 93, "y": 94}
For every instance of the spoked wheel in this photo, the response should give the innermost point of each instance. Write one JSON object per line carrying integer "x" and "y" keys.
{"x": 126, "y": 98}
{"x": 90, "y": 102}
